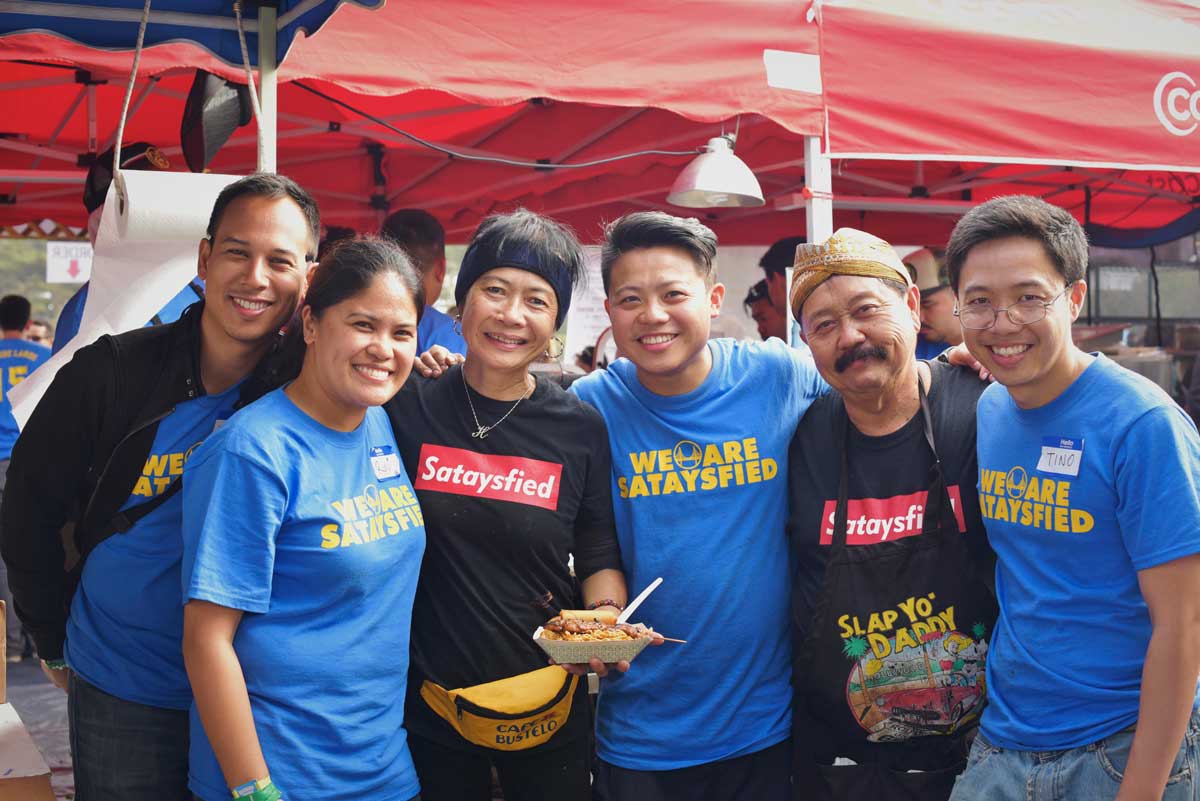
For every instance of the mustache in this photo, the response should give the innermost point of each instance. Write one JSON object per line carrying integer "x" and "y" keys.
{"x": 863, "y": 351}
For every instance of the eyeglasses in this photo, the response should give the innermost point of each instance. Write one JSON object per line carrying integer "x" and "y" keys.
{"x": 982, "y": 316}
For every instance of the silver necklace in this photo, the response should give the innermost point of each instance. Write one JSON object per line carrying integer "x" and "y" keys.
{"x": 481, "y": 431}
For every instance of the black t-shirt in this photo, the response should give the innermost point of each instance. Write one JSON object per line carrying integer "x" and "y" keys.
{"x": 889, "y": 478}
{"x": 502, "y": 515}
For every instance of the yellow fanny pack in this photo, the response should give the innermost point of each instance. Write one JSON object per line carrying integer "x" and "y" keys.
{"x": 510, "y": 714}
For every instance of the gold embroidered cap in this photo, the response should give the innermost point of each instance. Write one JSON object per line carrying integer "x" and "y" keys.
{"x": 847, "y": 252}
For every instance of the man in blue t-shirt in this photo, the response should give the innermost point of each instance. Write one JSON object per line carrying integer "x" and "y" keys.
{"x": 1090, "y": 492}
{"x": 18, "y": 358}
{"x": 939, "y": 326}
{"x": 104, "y": 449}
{"x": 137, "y": 156}
{"x": 699, "y": 432}
{"x": 424, "y": 240}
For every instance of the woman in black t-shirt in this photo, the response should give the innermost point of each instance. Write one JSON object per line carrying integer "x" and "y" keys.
{"x": 513, "y": 476}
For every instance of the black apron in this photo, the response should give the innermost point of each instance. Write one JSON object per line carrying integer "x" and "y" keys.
{"x": 891, "y": 674}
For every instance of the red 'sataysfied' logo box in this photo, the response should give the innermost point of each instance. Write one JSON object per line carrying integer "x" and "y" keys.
{"x": 873, "y": 520}
{"x": 502, "y": 478}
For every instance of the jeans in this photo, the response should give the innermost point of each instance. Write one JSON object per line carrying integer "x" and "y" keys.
{"x": 1088, "y": 773}
{"x": 125, "y": 751}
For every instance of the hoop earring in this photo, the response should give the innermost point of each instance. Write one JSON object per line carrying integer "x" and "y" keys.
{"x": 554, "y": 349}
{"x": 457, "y": 325}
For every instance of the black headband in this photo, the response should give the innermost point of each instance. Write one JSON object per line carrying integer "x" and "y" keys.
{"x": 478, "y": 260}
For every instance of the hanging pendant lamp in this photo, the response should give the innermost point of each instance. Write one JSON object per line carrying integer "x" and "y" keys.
{"x": 716, "y": 178}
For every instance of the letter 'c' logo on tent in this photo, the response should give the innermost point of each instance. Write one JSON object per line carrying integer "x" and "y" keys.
{"x": 1177, "y": 100}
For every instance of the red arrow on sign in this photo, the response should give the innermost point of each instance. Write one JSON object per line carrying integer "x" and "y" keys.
{"x": 73, "y": 269}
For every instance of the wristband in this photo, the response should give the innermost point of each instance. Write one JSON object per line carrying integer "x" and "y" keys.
{"x": 258, "y": 790}
{"x": 55, "y": 664}
{"x": 603, "y": 602}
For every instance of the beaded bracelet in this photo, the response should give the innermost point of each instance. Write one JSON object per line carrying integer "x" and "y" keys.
{"x": 604, "y": 602}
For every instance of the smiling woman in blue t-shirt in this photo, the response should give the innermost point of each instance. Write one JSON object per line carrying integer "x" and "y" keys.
{"x": 302, "y": 540}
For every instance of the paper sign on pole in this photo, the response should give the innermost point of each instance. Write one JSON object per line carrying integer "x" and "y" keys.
{"x": 68, "y": 262}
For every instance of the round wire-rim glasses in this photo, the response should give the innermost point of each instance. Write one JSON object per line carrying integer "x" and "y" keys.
{"x": 982, "y": 316}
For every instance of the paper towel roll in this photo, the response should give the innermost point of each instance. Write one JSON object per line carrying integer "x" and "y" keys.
{"x": 163, "y": 206}
{"x": 143, "y": 257}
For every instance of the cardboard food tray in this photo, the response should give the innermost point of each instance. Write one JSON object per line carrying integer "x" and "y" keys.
{"x": 578, "y": 653}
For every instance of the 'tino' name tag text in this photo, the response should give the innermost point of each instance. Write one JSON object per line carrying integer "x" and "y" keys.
{"x": 1061, "y": 456}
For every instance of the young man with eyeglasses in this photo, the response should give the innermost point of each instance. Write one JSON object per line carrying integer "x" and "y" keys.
{"x": 1090, "y": 492}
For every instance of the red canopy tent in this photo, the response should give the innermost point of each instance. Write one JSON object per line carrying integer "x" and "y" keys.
{"x": 946, "y": 92}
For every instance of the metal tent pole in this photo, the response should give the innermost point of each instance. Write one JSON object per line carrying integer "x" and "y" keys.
{"x": 267, "y": 88}
{"x": 818, "y": 201}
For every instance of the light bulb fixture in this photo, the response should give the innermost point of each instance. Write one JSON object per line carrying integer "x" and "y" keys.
{"x": 716, "y": 178}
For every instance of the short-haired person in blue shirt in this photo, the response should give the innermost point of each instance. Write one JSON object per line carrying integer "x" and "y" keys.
{"x": 939, "y": 326}
{"x": 1090, "y": 492}
{"x": 302, "y": 544}
{"x": 104, "y": 449}
{"x": 424, "y": 240}
{"x": 699, "y": 432}
{"x": 18, "y": 358}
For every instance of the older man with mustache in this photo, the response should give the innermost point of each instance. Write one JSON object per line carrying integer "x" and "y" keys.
{"x": 892, "y": 606}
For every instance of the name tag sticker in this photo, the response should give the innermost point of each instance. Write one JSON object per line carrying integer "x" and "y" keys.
{"x": 1061, "y": 456}
{"x": 384, "y": 462}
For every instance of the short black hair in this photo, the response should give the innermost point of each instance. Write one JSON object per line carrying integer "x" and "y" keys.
{"x": 333, "y": 235}
{"x": 757, "y": 293}
{"x": 1059, "y": 234}
{"x": 14, "y": 312}
{"x": 781, "y": 255}
{"x": 419, "y": 233}
{"x": 274, "y": 186}
{"x": 651, "y": 229}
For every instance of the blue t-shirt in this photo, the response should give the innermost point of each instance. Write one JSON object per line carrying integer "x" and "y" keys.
{"x": 317, "y": 536}
{"x": 700, "y": 495}
{"x": 927, "y": 349}
{"x": 437, "y": 328}
{"x": 1077, "y": 497}
{"x": 125, "y": 631}
{"x": 18, "y": 358}
{"x": 72, "y": 311}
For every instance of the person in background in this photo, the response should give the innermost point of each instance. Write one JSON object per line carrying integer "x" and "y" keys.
{"x": 699, "y": 432}
{"x": 775, "y": 263}
{"x": 939, "y": 326}
{"x": 513, "y": 477}
{"x": 40, "y": 331}
{"x": 333, "y": 235}
{"x": 1089, "y": 485}
{"x": 883, "y": 510}
{"x": 19, "y": 356}
{"x": 138, "y": 156}
{"x": 104, "y": 449}
{"x": 300, "y": 527}
{"x": 762, "y": 310}
{"x": 424, "y": 239}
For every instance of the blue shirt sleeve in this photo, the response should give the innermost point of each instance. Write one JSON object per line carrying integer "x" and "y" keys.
{"x": 232, "y": 511}
{"x": 807, "y": 379}
{"x": 69, "y": 319}
{"x": 1157, "y": 476}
